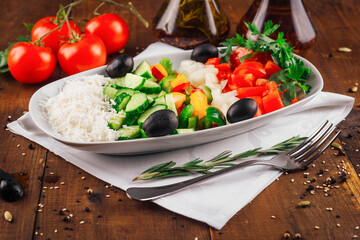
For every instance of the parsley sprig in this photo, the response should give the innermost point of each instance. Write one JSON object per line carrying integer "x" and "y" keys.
{"x": 169, "y": 169}
{"x": 293, "y": 75}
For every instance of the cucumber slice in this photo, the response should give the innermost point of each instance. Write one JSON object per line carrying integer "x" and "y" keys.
{"x": 125, "y": 90}
{"x": 137, "y": 104}
{"x": 151, "y": 101}
{"x": 192, "y": 122}
{"x": 142, "y": 68}
{"x": 183, "y": 130}
{"x": 149, "y": 111}
{"x": 129, "y": 132}
{"x": 121, "y": 101}
{"x": 184, "y": 115}
{"x": 117, "y": 121}
{"x": 159, "y": 100}
{"x": 119, "y": 81}
{"x": 143, "y": 134}
{"x": 207, "y": 92}
{"x": 150, "y": 87}
{"x": 170, "y": 103}
{"x": 134, "y": 81}
{"x": 165, "y": 83}
{"x": 110, "y": 91}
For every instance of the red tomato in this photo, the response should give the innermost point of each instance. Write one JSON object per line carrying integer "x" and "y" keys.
{"x": 85, "y": 54}
{"x": 224, "y": 71}
{"x": 54, "y": 39}
{"x": 31, "y": 64}
{"x": 253, "y": 67}
{"x": 112, "y": 29}
{"x": 236, "y": 55}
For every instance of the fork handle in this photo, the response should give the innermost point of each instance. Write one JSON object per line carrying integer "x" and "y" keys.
{"x": 151, "y": 193}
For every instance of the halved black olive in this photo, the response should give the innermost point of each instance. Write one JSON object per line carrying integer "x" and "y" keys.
{"x": 204, "y": 52}
{"x": 120, "y": 66}
{"x": 160, "y": 123}
{"x": 241, "y": 110}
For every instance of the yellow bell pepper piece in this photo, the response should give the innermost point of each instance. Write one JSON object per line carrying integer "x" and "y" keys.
{"x": 179, "y": 99}
{"x": 180, "y": 79}
{"x": 200, "y": 103}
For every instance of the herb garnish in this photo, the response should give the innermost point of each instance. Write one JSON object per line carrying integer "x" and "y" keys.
{"x": 169, "y": 169}
{"x": 293, "y": 74}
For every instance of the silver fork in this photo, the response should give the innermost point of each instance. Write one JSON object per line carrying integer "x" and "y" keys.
{"x": 289, "y": 160}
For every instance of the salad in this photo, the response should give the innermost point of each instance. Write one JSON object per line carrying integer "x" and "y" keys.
{"x": 250, "y": 79}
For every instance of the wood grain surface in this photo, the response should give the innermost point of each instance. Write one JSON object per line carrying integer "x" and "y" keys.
{"x": 54, "y": 189}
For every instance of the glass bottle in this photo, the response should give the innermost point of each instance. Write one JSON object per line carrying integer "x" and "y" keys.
{"x": 290, "y": 14}
{"x": 188, "y": 23}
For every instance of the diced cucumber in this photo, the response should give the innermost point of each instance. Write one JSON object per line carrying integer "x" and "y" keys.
{"x": 192, "y": 122}
{"x": 150, "y": 87}
{"x": 146, "y": 75}
{"x": 143, "y": 134}
{"x": 153, "y": 79}
{"x": 184, "y": 115}
{"x": 183, "y": 130}
{"x": 119, "y": 81}
{"x": 207, "y": 92}
{"x": 170, "y": 103}
{"x": 142, "y": 68}
{"x": 117, "y": 121}
{"x": 151, "y": 101}
{"x": 134, "y": 81}
{"x": 165, "y": 83}
{"x": 121, "y": 101}
{"x": 137, "y": 104}
{"x": 129, "y": 132}
{"x": 149, "y": 111}
{"x": 162, "y": 93}
{"x": 110, "y": 91}
{"x": 159, "y": 100}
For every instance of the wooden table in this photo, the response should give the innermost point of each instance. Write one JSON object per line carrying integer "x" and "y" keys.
{"x": 37, "y": 215}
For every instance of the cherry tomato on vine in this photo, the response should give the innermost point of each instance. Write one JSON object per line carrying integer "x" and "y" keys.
{"x": 84, "y": 53}
{"x": 112, "y": 29}
{"x": 29, "y": 63}
{"x": 56, "y": 38}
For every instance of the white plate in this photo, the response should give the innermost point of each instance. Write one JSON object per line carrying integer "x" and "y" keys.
{"x": 166, "y": 143}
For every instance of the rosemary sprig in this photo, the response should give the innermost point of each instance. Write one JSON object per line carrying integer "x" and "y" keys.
{"x": 168, "y": 169}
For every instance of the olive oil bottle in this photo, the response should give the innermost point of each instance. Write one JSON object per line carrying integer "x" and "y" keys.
{"x": 290, "y": 14}
{"x": 188, "y": 23}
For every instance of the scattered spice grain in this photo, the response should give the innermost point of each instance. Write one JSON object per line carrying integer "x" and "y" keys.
{"x": 8, "y": 216}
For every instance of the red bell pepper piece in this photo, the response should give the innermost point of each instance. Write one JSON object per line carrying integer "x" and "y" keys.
{"x": 251, "y": 91}
{"x": 272, "y": 101}
{"x": 224, "y": 71}
{"x": 260, "y": 110}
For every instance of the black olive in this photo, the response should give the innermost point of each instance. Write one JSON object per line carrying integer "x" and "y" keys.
{"x": 204, "y": 52}
{"x": 10, "y": 189}
{"x": 160, "y": 123}
{"x": 241, "y": 110}
{"x": 120, "y": 66}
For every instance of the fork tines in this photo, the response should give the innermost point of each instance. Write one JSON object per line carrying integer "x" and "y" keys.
{"x": 313, "y": 143}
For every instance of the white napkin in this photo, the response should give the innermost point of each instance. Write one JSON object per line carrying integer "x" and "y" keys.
{"x": 215, "y": 201}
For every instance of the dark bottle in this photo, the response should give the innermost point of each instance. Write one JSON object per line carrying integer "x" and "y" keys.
{"x": 189, "y": 23}
{"x": 290, "y": 14}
